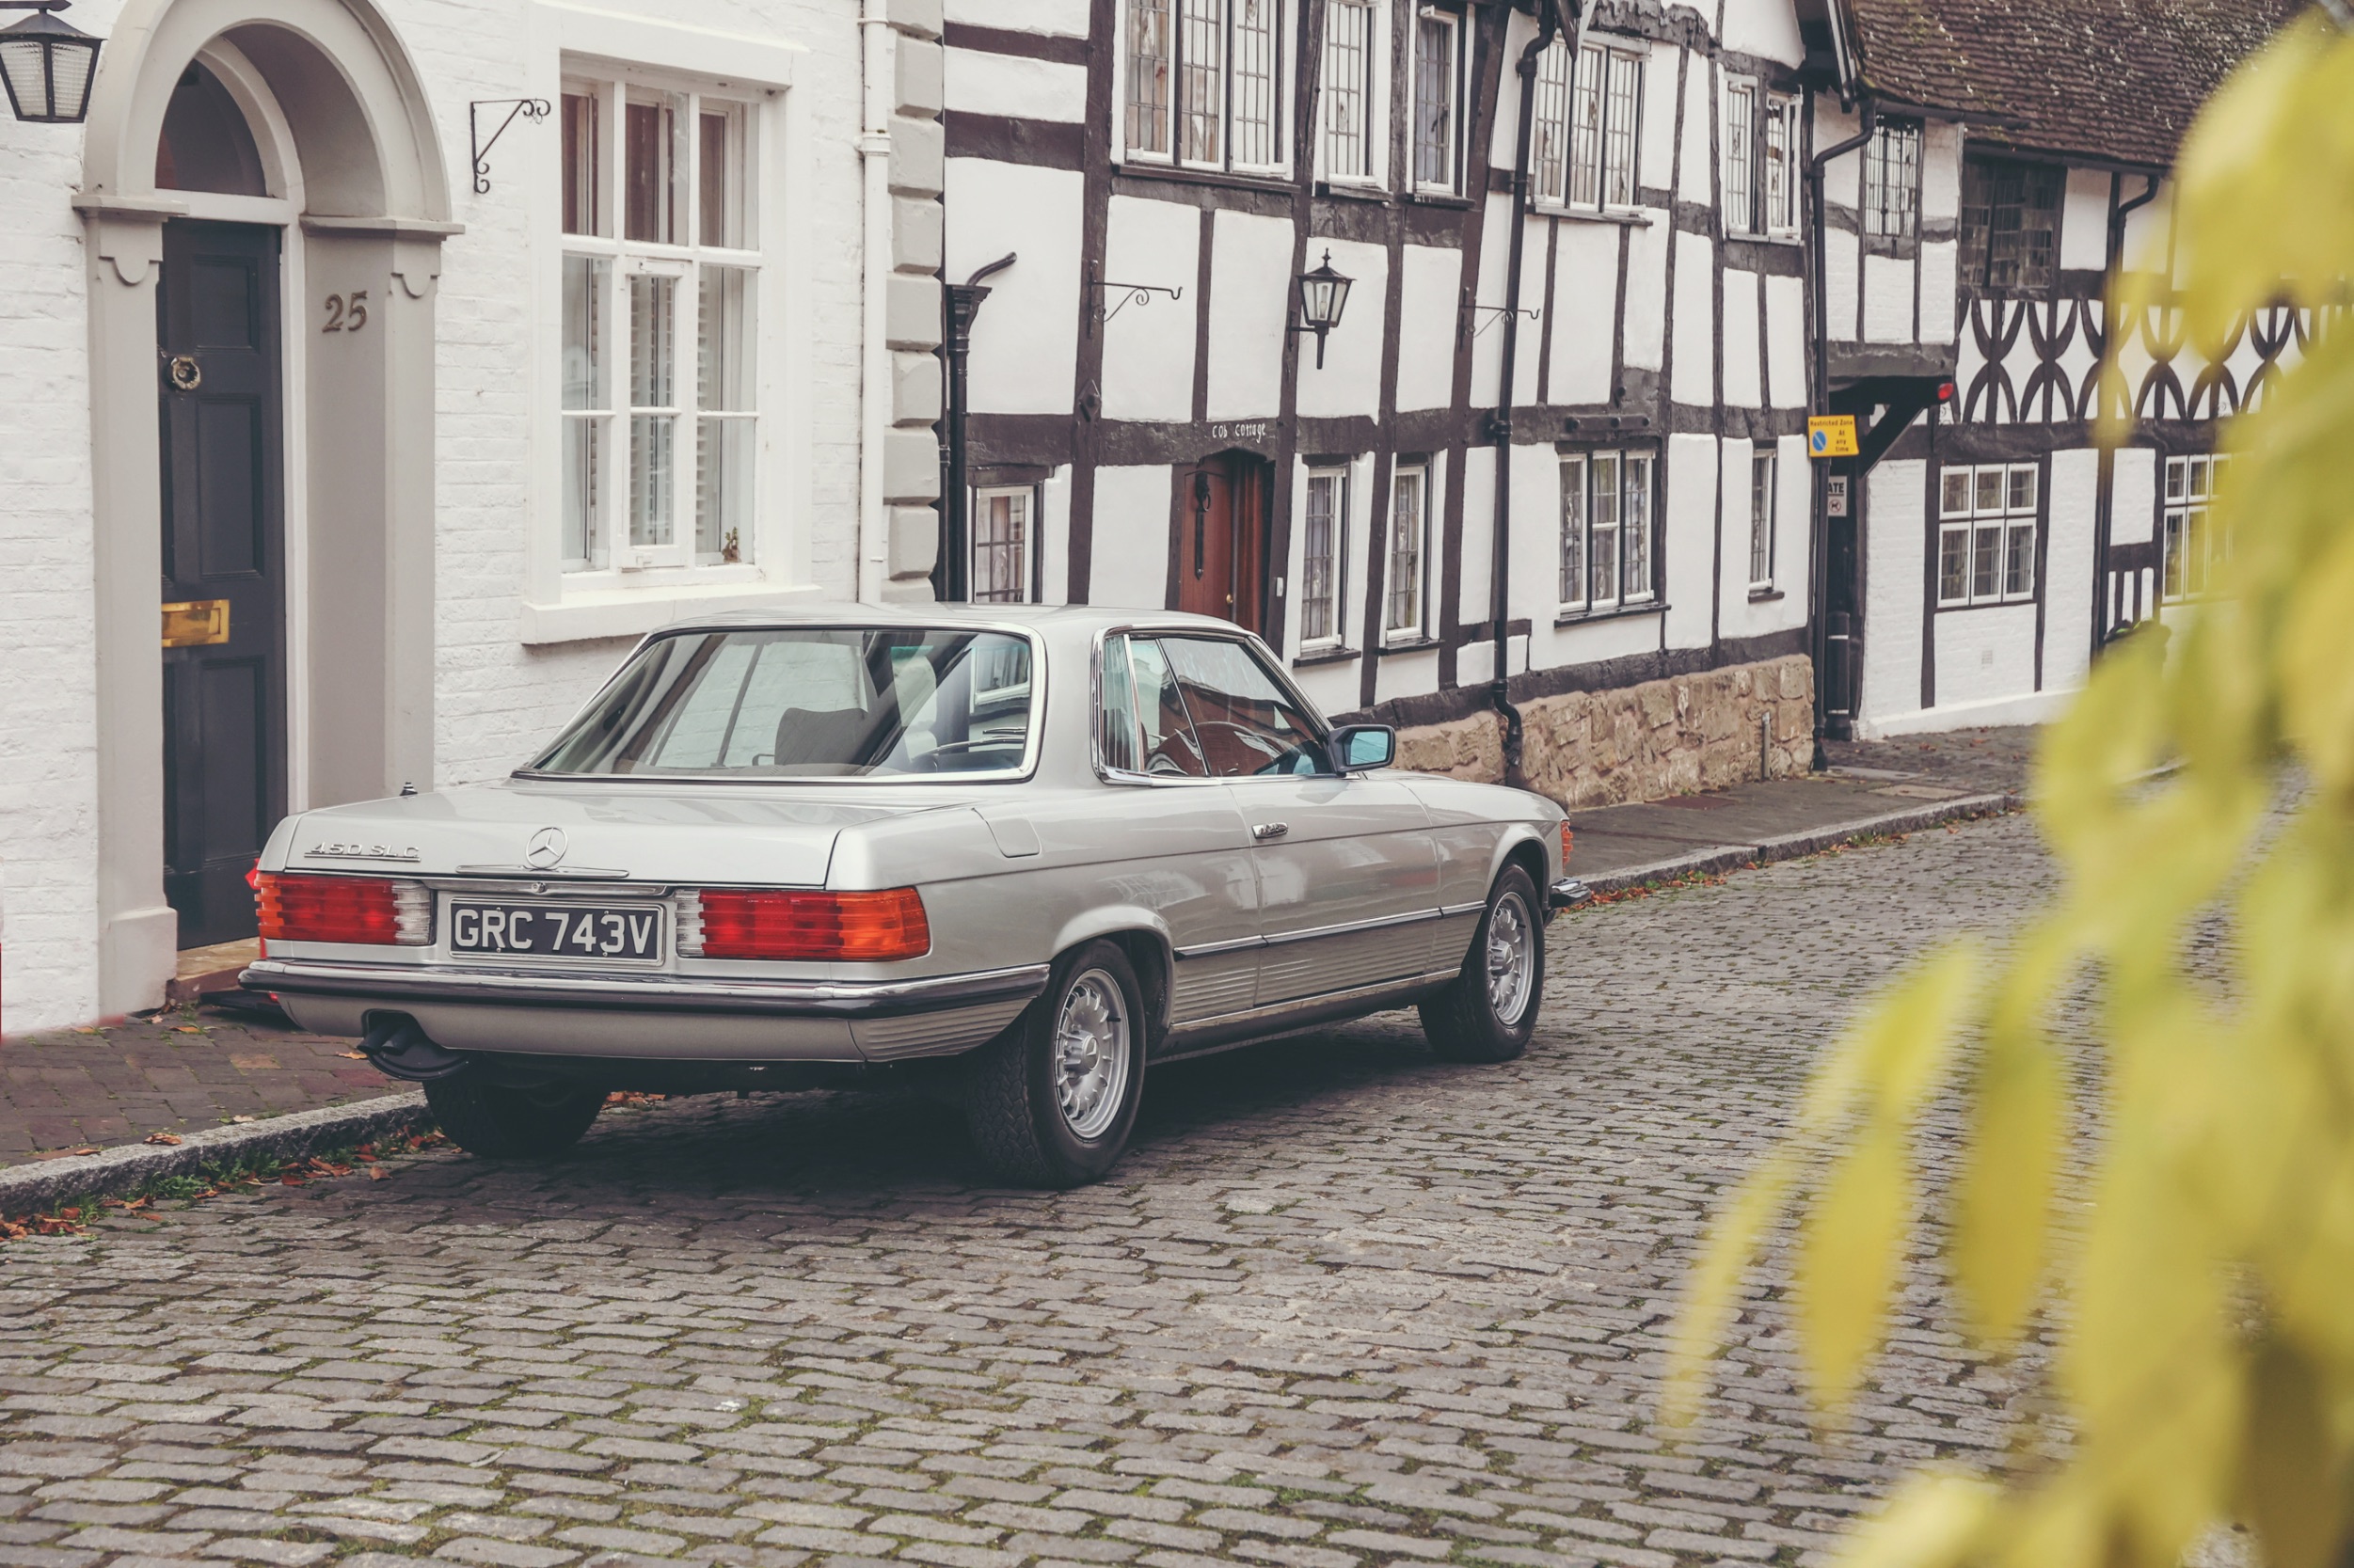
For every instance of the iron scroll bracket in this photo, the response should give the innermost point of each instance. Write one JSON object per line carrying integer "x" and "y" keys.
{"x": 1475, "y": 318}
{"x": 532, "y": 109}
{"x": 1129, "y": 294}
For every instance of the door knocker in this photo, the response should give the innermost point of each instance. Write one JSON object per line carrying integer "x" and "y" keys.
{"x": 183, "y": 372}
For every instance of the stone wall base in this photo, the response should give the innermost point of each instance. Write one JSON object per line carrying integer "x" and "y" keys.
{"x": 1674, "y": 736}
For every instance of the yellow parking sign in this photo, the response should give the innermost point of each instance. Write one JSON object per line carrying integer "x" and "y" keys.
{"x": 1830, "y": 436}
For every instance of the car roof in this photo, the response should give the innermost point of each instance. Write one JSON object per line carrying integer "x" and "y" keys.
{"x": 1055, "y": 621}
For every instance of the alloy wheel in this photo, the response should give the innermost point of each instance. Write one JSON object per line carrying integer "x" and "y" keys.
{"x": 1091, "y": 1054}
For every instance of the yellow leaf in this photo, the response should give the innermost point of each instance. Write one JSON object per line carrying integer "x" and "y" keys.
{"x": 2287, "y": 1482}
{"x": 2003, "y": 1200}
{"x": 1848, "y": 1259}
{"x": 1716, "y": 1280}
{"x": 1933, "y": 1523}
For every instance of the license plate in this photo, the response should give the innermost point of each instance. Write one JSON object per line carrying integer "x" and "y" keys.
{"x": 625, "y": 933}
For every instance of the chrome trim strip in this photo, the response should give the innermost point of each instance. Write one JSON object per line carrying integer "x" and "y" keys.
{"x": 652, "y": 993}
{"x": 1348, "y": 928}
{"x": 1212, "y": 949}
{"x": 1317, "y": 1003}
{"x": 527, "y": 873}
{"x": 1477, "y": 906}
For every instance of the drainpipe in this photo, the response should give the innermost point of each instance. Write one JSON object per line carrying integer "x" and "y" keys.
{"x": 874, "y": 415}
{"x": 1818, "y": 578}
{"x": 963, "y": 304}
{"x": 2103, "y": 515}
{"x": 1548, "y": 23}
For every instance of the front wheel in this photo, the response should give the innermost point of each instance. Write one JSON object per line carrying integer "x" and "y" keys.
{"x": 502, "y": 1123}
{"x": 1051, "y": 1102}
{"x": 1489, "y": 1010}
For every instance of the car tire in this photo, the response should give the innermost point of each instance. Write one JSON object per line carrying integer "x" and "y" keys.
{"x": 1051, "y": 1101}
{"x": 499, "y": 1122}
{"x": 1488, "y": 1013}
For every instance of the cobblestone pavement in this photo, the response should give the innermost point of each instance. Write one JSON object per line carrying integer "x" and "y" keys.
{"x": 183, "y": 1072}
{"x": 1341, "y": 1306}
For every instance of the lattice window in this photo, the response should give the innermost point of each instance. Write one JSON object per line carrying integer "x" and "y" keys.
{"x": 2010, "y": 226}
{"x": 1003, "y": 529}
{"x": 1323, "y": 557}
{"x": 1350, "y": 48}
{"x": 1987, "y": 523}
{"x": 1206, "y": 82}
{"x": 2194, "y": 548}
{"x": 1892, "y": 181}
{"x": 1606, "y": 529}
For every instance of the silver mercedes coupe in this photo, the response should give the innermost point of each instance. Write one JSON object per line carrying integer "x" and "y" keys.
{"x": 1011, "y": 856}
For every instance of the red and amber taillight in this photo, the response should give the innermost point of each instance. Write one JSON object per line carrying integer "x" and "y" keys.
{"x": 843, "y": 927}
{"x": 1568, "y": 841}
{"x": 370, "y": 909}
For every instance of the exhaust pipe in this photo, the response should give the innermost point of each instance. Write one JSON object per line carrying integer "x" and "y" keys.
{"x": 397, "y": 1048}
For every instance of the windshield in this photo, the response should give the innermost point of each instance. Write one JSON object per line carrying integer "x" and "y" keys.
{"x": 809, "y": 703}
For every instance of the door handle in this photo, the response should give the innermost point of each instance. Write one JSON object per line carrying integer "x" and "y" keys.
{"x": 1265, "y": 830}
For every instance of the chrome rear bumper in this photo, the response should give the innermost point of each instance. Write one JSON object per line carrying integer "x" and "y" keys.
{"x": 664, "y": 993}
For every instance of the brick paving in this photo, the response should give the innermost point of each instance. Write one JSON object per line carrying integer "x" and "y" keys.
{"x": 1342, "y": 1306}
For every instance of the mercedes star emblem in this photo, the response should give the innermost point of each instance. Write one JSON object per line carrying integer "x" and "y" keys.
{"x": 547, "y": 848}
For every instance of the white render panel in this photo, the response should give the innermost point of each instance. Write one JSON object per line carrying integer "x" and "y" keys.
{"x": 2084, "y": 219}
{"x": 1427, "y": 310}
{"x": 1645, "y": 340}
{"x": 1893, "y": 587}
{"x": 1248, "y": 255}
{"x": 979, "y": 83}
{"x": 1063, "y": 18}
{"x": 1695, "y": 168}
{"x": 2133, "y": 496}
{"x": 1744, "y": 384}
{"x": 1786, "y": 341}
{"x": 1732, "y": 580}
{"x": 1488, "y": 330}
{"x": 1688, "y": 557}
{"x": 1025, "y": 340}
{"x": 1842, "y": 257}
{"x": 1475, "y": 571}
{"x": 1591, "y": 642}
{"x": 1655, "y": 159}
{"x": 1350, "y": 382}
{"x": 1766, "y": 27}
{"x": 1410, "y": 675}
{"x": 1694, "y": 370}
{"x": 1053, "y": 537}
{"x": 1985, "y": 655}
{"x": 2149, "y": 228}
{"x": 1131, "y": 558}
{"x": 1887, "y": 300}
{"x": 1941, "y": 172}
{"x": 1585, "y": 303}
{"x": 1148, "y": 346}
{"x": 1536, "y": 538}
{"x": 1939, "y": 259}
{"x": 2071, "y": 503}
{"x": 1331, "y": 687}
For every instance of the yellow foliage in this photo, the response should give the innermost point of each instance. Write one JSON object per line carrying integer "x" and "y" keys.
{"x": 2205, "y": 1292}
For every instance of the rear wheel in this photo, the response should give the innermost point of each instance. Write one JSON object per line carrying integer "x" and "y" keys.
{"x": 1051, "y": 1102}
{"x": 502, "y": 1123}
{"x": 1490, "y": 1011}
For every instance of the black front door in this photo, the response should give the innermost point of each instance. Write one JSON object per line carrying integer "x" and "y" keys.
{"x": 223, "y": 558}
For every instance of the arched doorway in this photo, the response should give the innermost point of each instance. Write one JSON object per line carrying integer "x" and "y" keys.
{"x": 265, "y": 203}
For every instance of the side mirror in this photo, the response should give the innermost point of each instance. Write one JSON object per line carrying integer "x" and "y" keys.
{"x": 1361, "y": 747}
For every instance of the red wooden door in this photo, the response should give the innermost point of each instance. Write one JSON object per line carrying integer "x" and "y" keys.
{"x": 1222, "y": 547}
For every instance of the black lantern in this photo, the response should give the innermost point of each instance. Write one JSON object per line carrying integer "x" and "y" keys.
{"x": 1323, "y": 295}
{"x": 47, "y": 65}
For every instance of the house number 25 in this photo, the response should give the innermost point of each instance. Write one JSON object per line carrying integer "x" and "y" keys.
{"x": 346, "y": 312}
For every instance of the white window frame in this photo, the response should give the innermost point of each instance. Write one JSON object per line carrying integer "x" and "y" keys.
{"x": 1029, "y": 497}
{"x": 1416, "y": 629}
{"x": 2189, "y": 550}
{"x": 1185, "y": 18}
{"x": 1631, "y": 512}
{"x": 1341, "y": 476}
{"x": 1892, "y": 182}
{"x": 1373, "y": 110}
{"x": 1765, "y": 482}
{"x": 1759, "y": 148}
{"x": 1984, "y": 517}
{"x": 1785, "y": 122}
{"x": 1584, "y": 177}
{"x": 1457, "y": 155}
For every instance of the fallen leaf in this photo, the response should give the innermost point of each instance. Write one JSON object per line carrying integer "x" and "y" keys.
{"x": 166, "y": 1139}
{"x": 91, "y": 1149}
{"x": 187, "y": 1029}
{"x": 244, "y": 1118}
{"x": 377, "y": 1173}
{"x": 353, "y": 1055}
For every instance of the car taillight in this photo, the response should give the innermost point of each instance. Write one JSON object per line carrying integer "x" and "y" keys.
{"x": 1568, "y": 841}
{"x": 372, "y": 910}
{"x": 850, "y": 927}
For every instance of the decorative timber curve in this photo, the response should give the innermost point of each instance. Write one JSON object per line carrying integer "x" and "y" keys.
{"x": 2042, "y": 361}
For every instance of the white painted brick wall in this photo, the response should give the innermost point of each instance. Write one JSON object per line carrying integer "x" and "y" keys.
{"x": 496, "y": 697}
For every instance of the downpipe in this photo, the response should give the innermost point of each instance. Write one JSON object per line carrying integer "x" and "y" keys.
{"x": 1818, "y": 573}
{"x": 1548, "y": 26}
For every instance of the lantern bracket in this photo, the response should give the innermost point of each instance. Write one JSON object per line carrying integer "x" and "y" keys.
{"x": 1472, "y": 326}
{"x": 1129, "y": 294}
{"x": 530, "y": 108}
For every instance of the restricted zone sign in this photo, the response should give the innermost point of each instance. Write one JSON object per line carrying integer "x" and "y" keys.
{"x": 1830, "y": 436}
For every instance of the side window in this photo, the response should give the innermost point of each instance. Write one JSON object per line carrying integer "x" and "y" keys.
{"x": 1170, "y": 747}
{"x": 1122, "y": 750}
{"x": 1246, "y": 721}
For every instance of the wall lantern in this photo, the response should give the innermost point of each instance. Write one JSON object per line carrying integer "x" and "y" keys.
{"x": 47, "y": 65}
{"x": 1323, "y": 295}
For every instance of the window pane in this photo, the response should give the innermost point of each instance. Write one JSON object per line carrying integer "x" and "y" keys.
{"x": 583, "y": 162}
{"x": 1170, "y": 746}
{"x": 653, "y": 384}
{"x": 1573, "y": 531}
{"x": 1148, "y": 76}
{"x": 1585, "y": 130}
{"x": 1348, "y": 48}
{"x": 2022, "y": 498}
{"x": 587, "y": 382}
{"x": 1001, "y": 547}
{"x": 1953, "y": 565}
{"x": 1246, "y": 723}
{"x": 1318, "y": 556}
{"x": 1434, "y": 102}
{"x": 1954, "y": 493}
{"x": 1406, "y": 554}
{"x": 2177, "y": 472}
{"x": 1604, "y": 549}
{"x": 1636, "y": 528}
{"x": 1781, "y": 212}
{"x": 2195, "y": 551}
{"x": 1118, "y": 723}
{"x": 1605, "y": 489}
{"x": 1618, "y": 130}
{"x": 1989, "y": 490}
{"x": 723, "y": 182}
{"x": 724, "y": 340}
{"x": 1741, "y": 111}
{"x": 1761, "y": 471}
{"x": 1985, "y": 560}
{"x": 2018, "y": 561}
{"x": 722, "y": 490}
{"x": 584, "y": 461}
{"x": 1549, "y": 154}
{"x": 1201, "y": 105}
{"x": 654, "y": 165}
{"x": 2177, "y": 530}
{"x": 1257, "y": 103}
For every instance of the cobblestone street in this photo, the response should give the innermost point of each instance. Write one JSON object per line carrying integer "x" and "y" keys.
{"x": 1341, "y": 1306}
